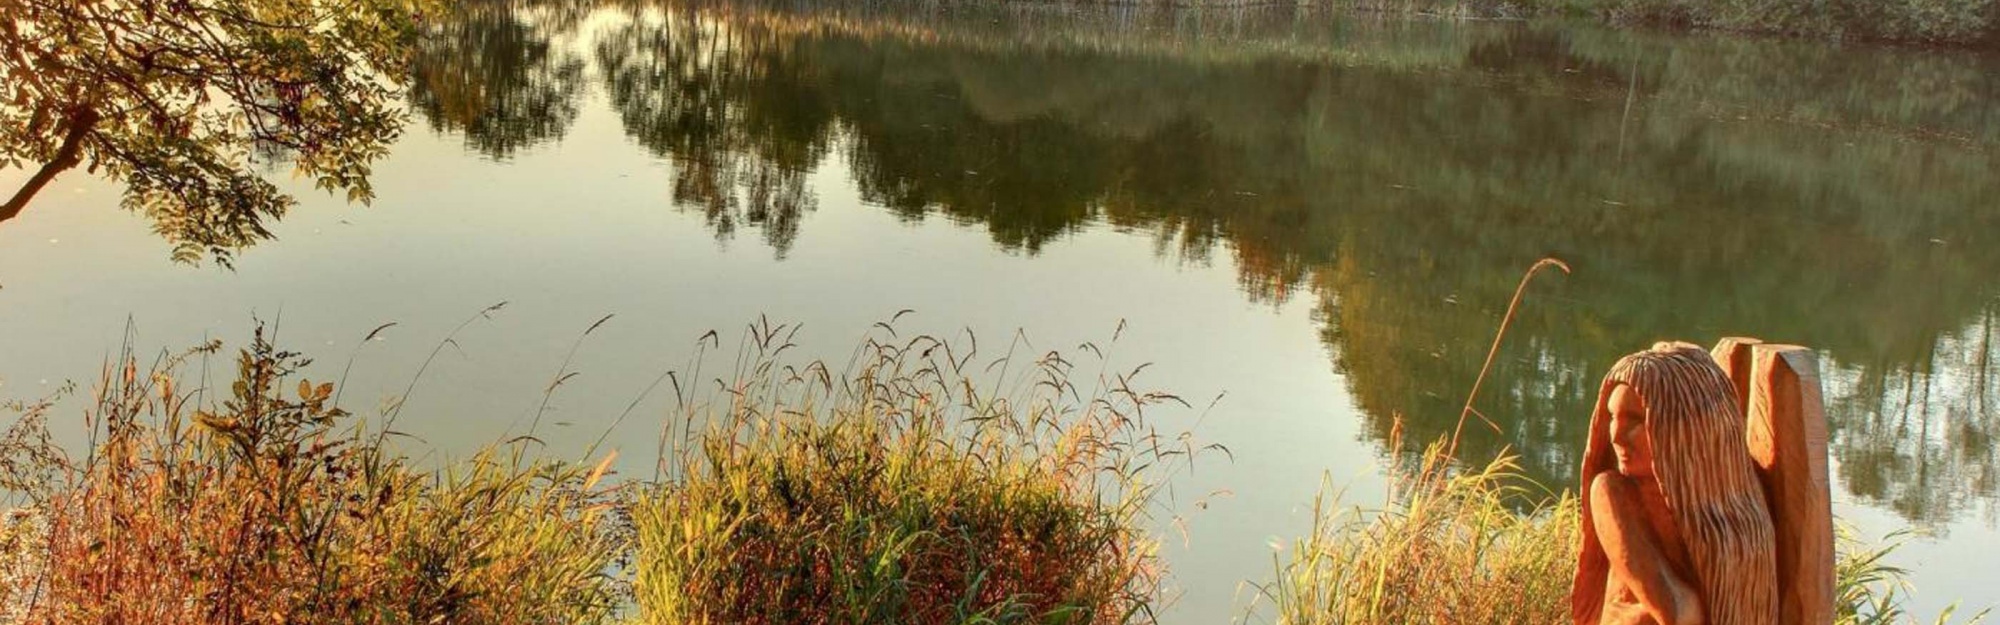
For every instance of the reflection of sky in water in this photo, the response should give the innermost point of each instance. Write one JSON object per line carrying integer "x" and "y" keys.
{"x": 571, "y": 230}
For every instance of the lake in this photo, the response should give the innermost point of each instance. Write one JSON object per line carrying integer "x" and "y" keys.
{"x": 1309, "y": 223}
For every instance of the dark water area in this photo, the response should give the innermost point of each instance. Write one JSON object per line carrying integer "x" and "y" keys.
{"x": 1321, "y": 215}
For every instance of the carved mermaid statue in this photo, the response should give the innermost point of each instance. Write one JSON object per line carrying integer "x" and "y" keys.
{"x": 1676, "y": 528}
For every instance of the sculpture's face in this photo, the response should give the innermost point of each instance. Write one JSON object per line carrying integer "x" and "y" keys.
{"x": 1629, "y": 440}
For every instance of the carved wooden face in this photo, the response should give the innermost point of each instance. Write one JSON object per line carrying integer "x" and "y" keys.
{"x": 1629, "y": 440}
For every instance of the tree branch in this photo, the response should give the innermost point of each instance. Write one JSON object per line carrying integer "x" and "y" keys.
{"x": 66, "y": 157}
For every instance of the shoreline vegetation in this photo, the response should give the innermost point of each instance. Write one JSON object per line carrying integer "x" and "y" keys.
{"x": 907, "y": 486}
{"x": 1957, "y": 23}
{"x": 902, "y": 488}
{"x": 1459, "y": 542}
{"x": 1484, "y": 544}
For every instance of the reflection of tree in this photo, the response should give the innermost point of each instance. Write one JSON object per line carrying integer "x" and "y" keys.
{"x": 1704, "y": 230}
{"x": 1405, "y": 202}
{"x": 741, "y": 120}
{"x": 490, "y": 74}
{"x": 188, "y": 104}
{"x": 1921, "y": 439}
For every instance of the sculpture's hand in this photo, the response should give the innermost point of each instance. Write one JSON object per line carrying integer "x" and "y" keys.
{"x": 1635, "y": 553}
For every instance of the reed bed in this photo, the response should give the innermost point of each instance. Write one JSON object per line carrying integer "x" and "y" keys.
{"x": 1454, "y": 545}
{"x": 273, "y": 506}
{"x": 910, "y": 489}
{"x": 918, "y": 483}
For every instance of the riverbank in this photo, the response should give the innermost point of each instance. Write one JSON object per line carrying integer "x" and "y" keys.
{"x": 895, "y": 490}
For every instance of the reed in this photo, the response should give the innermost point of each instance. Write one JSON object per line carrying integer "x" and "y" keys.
{"x": 907, "y": 489}
{"x": 1454, "y": 546}
{"x": 919, "y": 483}
{"x": 1465, "y": 543}
{"x": 274, "y": 506}
{"x": 1868, "y": 590}
{"x": 1483, "y": 544}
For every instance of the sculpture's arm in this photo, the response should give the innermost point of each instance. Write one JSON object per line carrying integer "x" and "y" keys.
{"x": 1635, "y": 554}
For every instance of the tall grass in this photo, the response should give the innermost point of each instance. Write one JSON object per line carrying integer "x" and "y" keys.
{"x": 1870, "y": 591}
{"x": 918, "y": 484}
{"x": 1453, "y": 546}
{"x": 904, "y": 490}
{"x": 1459, "y": 544}
{"x": 273, "y": 506}
{"x": 1485, "y": 545}
{"x": 921, "y": 484}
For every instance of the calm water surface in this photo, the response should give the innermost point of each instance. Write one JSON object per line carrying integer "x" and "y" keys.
{"x": 1317, "y": 218}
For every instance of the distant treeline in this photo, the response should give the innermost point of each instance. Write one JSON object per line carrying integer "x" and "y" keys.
{"x": 1972, "y": 22}
{"x": 1946, "y": 22}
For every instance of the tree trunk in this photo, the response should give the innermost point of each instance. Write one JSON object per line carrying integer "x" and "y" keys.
{"x": 67, "y": 156}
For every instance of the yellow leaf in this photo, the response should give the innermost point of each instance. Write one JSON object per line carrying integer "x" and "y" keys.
{"x": 597, "y": 473}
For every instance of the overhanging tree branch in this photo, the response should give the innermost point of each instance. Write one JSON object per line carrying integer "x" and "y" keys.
{"x": 175, "y": 98}
{"x": 67, "y": 156}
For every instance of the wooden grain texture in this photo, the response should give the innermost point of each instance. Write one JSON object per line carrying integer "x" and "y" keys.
{"x": 1786, "y": 434}
{"x": 1707, "y": 481}
{"x": 1733, "y": 355}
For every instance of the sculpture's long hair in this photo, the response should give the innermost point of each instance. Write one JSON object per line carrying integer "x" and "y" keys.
{"x": 1707, "y": 477}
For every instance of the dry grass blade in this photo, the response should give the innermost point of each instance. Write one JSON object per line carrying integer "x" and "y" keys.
{"x": 1494, "y": 351}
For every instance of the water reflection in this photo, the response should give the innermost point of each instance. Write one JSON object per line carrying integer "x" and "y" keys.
{"x": 494, "y": 77}
{"x": 741, "y": 122}
{"x": 1400, "y": 174}
{"x": 1917, "y": 437}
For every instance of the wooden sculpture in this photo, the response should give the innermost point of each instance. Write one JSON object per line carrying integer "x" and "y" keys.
{"x": 1676, "y": 528}
{"x": 1786, "y": 434}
